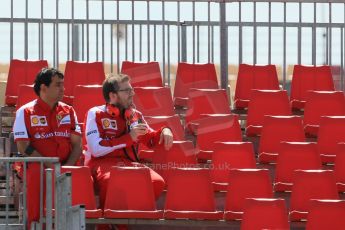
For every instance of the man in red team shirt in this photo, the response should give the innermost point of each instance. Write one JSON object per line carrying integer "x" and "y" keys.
{"x": 46, "y": 127}
{"x": 113, "y": 132}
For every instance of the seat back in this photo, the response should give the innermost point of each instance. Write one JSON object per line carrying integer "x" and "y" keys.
{"x": 280, "y": 128}
{"x": 254, "y": 77}
{"x": 82, "y": 186}
{"x": 293, "y": 156}
{"x": 217, "y": 128}
{"x": 326, "y": 214}
{"x": 190, "y": 189}
{"x": 154, "y": 101}
{"x": 173, "y": 122}
{"x": 182, "y": 154}
{"x": 339, "y": 167}
{"x": 266, "y": 102}
{"x": 230, "y": 155}
{"x": 82, "y": 100}
{"x": 305, "y": 78}
{"x": 331, "y": 132}
{"x": 265, "y": 214}
{"x": 246, "y": 183}
{"x": 307, "y": 185}
{"x": 322, "y": 103}
{"x": 82, "y": 73}
{"x": 21, "y": 72}
{"x": 206, "y": 101}
{"x": 143, "y": 74}
{"x": 25, "y": 94}
{"x": 201, "y": 76}
{"x": 130, "y": 188}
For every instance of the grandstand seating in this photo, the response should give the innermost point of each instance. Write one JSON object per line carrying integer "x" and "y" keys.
{"x": 182, "y": 154}
{"x": 25, "y": 94}
{"x": 265, "y": 102}
{"x": 265, "y": 214}
{"x": 305, "y": 78}
{"x": 230, "y": 155}
{"x": 143, "y": 74}
{"x": 293, "y": 156}
{"x": 326, "y": 214}
{"x": 205, "y": 101}
{"x": 81, "y": 73}
{"x": 201, "y": 76}
{"x": 154, "y": 101}
{"x": 21, "y": 72}
{"x": 82, "y": 101}
{"x": 276, "y": 129}
{"x": 190, "y": 195}
{"x": 245, "y": 183}
{"x": 307, "y": 185}
{"x": 216, "y": 128}
{"x": 321, "y": 103}
{"x": 130, "y": 194}
{"x": 82, "y": 190}
{"x": 173, "y": 122}
{"x": 331, "y": 132}
{"x": 339, "y": 167}
{"x": 253, "y": 77}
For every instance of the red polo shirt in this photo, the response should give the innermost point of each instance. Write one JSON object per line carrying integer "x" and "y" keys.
{"x": 48, "y": 130}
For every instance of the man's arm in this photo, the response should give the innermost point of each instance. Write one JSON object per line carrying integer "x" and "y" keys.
{"x": 23, "y": 145}
{"x": 76, "y": 150}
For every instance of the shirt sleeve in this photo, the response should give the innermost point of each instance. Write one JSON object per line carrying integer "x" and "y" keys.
{"x": 19, "y": 128}
{"x": 75, "y": 127}
{"x": 97, "y": 146}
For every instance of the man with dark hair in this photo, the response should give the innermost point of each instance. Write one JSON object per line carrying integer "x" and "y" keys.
{"x": 113, "y": 132}
{"x": 46, "y": 127}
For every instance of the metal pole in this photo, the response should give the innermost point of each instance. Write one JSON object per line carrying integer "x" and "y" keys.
{"x": 299, "y": 34}
{"x": 26, "y": 33}
{"x": 87, "y": 32}
{"x": 117, "y": 36}
{"x": 163, "y": 42}
{"x": 269, "y": 34}
{"x": 284, "y": 48}
{"x": 148, "y": 30}
{"x": 223, "y": 45}
{"x": 133, "y": 35}
{"x": 193, "y": 14}
{"x": 183, "y": 42}
{"x": 314, "y": 37}
{"x": 57, "y": 34}
{"x": 240, "y": 37}
{"x": 49, "y": 198}
{"x": 179, "y": 32}
{"x": 255, "y": 34}
{"x": 103, "y": 49}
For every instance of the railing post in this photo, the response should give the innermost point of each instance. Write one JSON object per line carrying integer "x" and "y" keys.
{"x": 223, "y": 46}
{"x": 63, "y": 200}
{"x": 183, "y": 42}
{"x": 76, "y": 217}
{"x": 49, "y": 198}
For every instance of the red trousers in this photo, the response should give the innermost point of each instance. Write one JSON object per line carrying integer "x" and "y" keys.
{"x": 100, "y": 169}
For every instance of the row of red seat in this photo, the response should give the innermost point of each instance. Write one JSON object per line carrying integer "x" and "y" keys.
{"x": 188, "y": 76}
{"x": 132, "y": 196}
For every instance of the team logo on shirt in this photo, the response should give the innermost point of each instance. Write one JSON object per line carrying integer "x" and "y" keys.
{"x": 66, "y": 120}
{"x": 109, "y": 124}
{"x": 38, "y": 120}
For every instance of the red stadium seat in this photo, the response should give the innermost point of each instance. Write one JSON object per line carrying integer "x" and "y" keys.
{"x": 331, "y": 132}
{"x": 81, "y": 73}
{"x": 173, "y": 122}
{"x": 276, "y": 129}
{"x": 263, "y": 213}
{"x": 326, "y": 214}
{"x": 181, "y": 155}
{"x": 201, "y": 76}
{"x": 246, "y": 183}
{"x": 154, "y": 101}
{"x": 143, "y": 74}
{"x": 82, "y": 100}
{"x": 293, "y": 156}
{"x": 305, "y": 78}
{"x": 254, "y": 77}
{"x": 25, "y": 94}
{"x": 339, "y": 167}
{"x": 130, "y": 194}
{"x": 230, "y": 155}
{"x": 307, "y": 185}
{"x": 265, "y": 102}
{"x": 322, "y": 103}
{"x": 82, "y": 190}
{"x": 216, "y": 128}
{"x": 190, "y": 195}
{"x": 206, "y": 101}
{"x": 21, "y": 72}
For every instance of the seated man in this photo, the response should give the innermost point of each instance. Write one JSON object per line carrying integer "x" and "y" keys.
{"x": 46, "y": 127}
{"x": 113, "y": 132}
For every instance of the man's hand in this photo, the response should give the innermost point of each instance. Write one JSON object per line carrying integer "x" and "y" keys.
{"x": 167, "y": 138}
{"x": 137, "y": 131}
